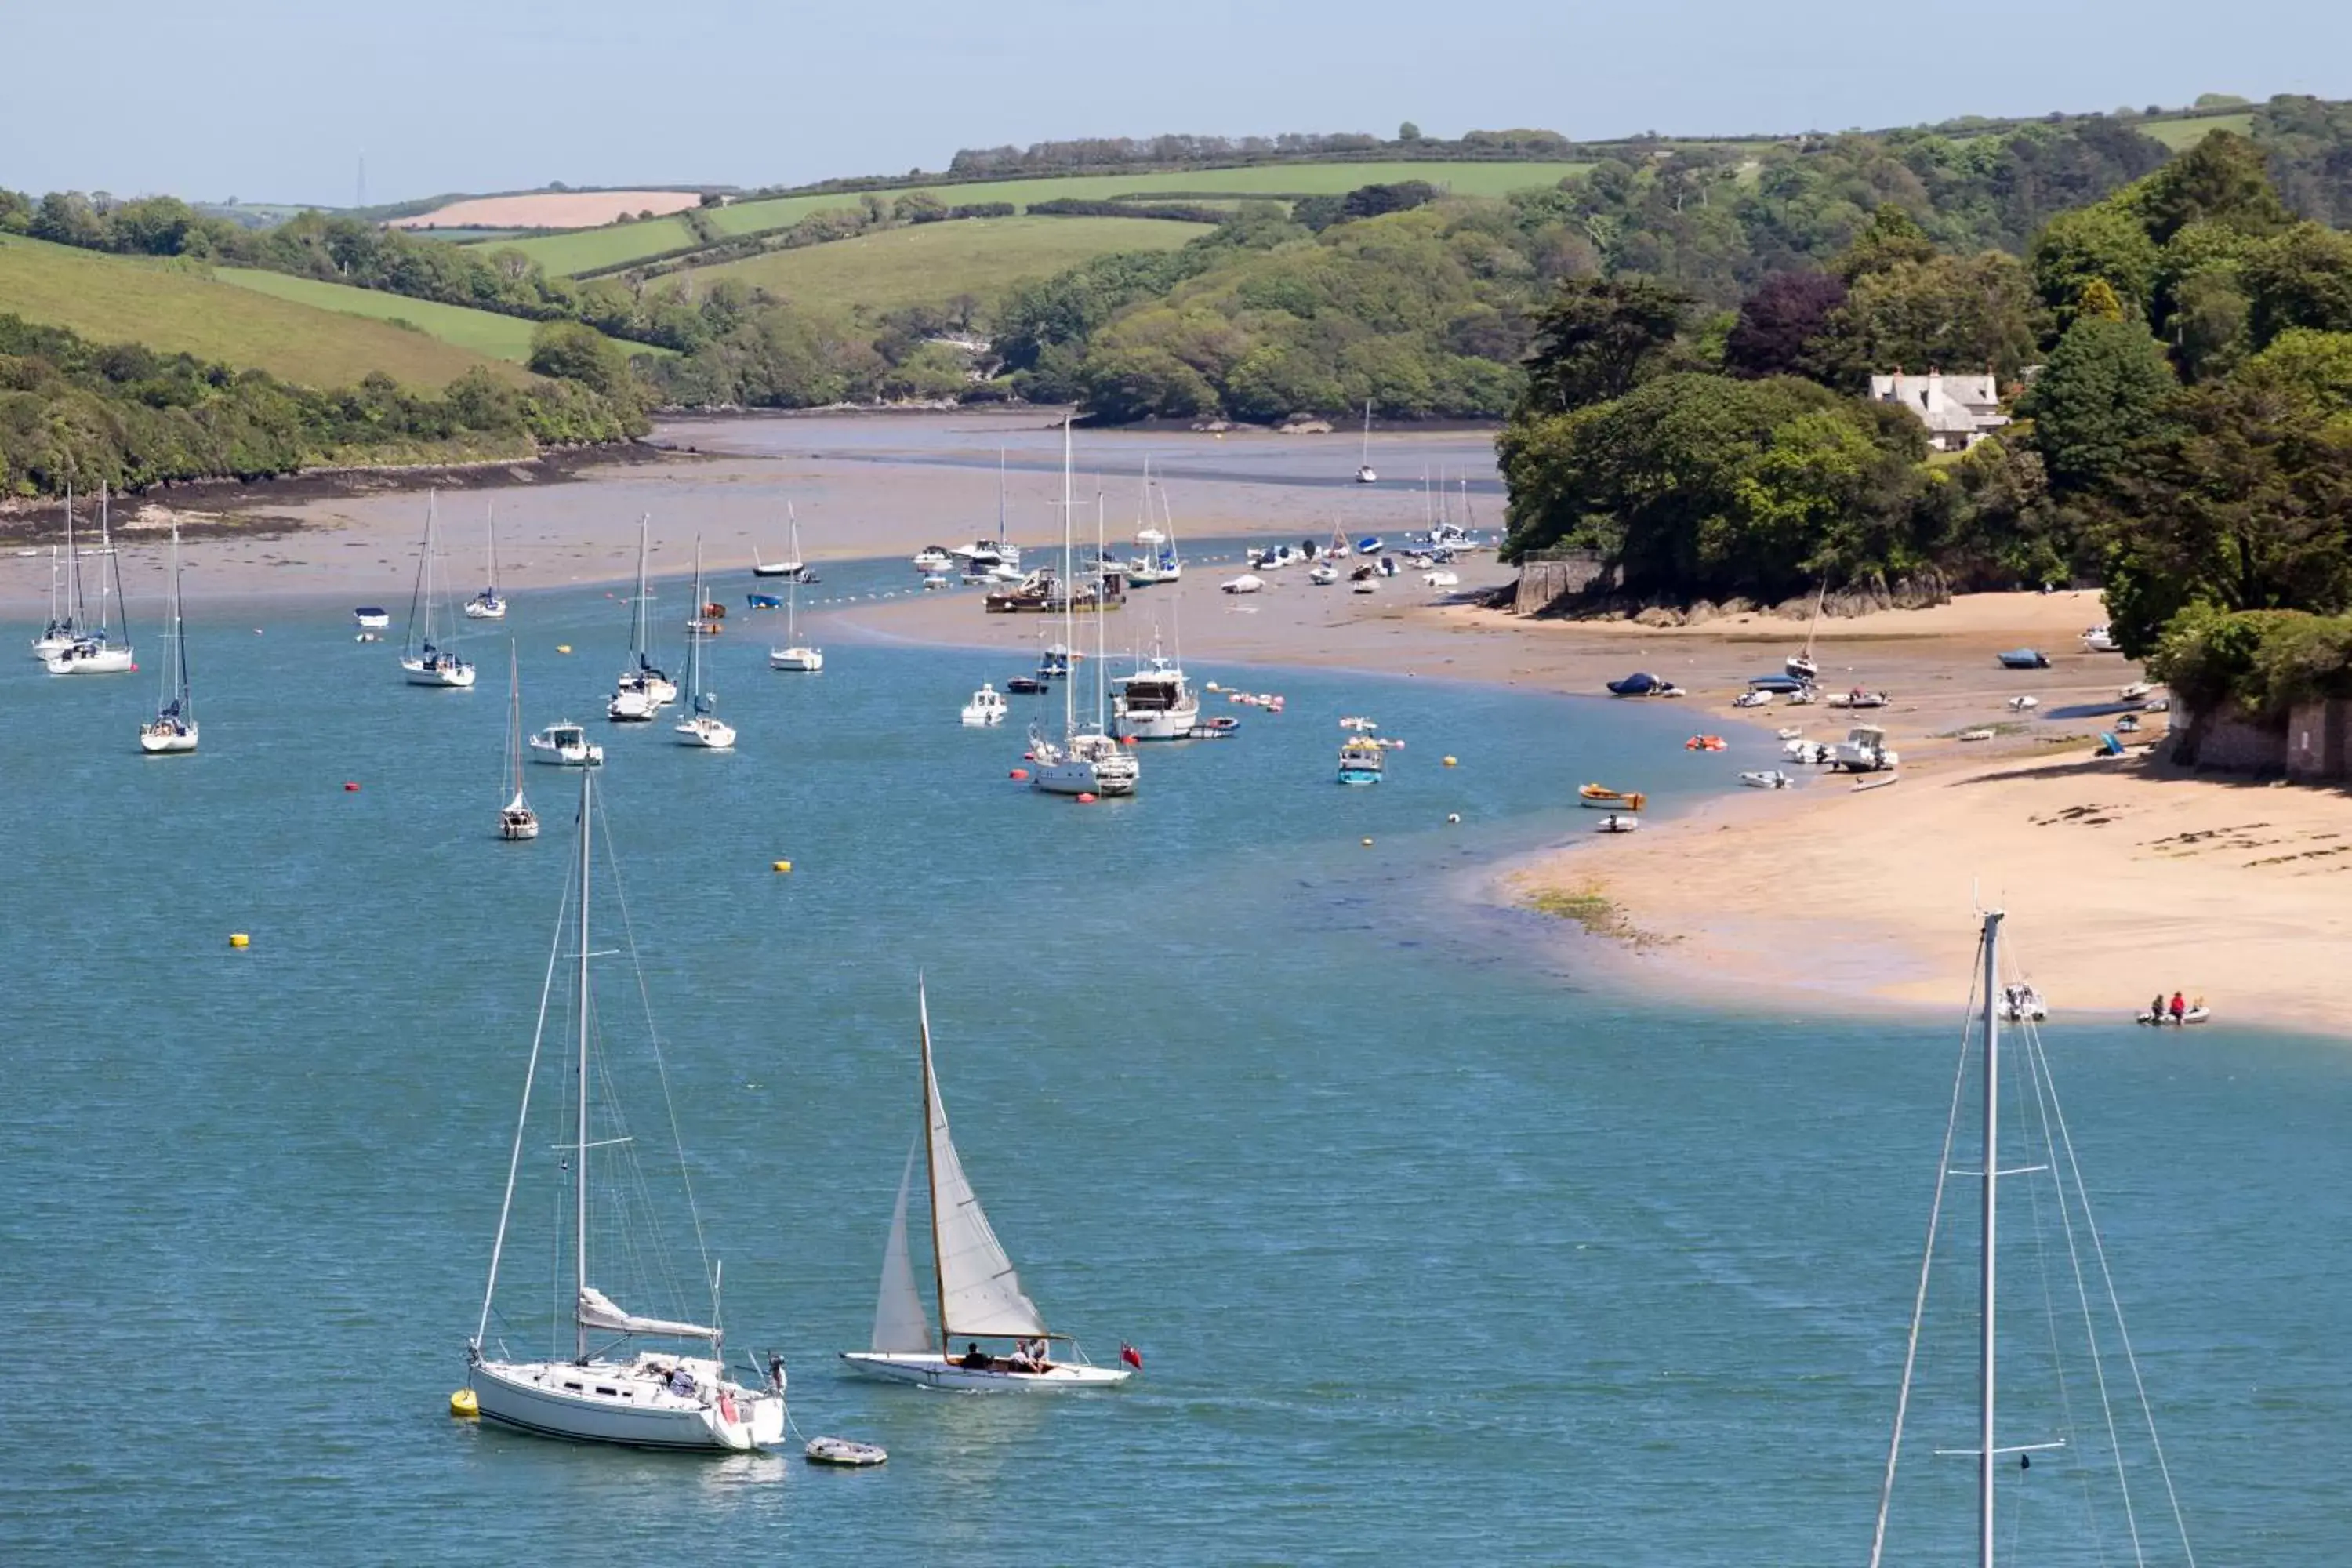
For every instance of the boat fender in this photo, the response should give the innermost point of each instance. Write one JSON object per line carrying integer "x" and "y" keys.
{"x": 1086, "y": 799}
{"x": 463, "y": 1404}
{"x": 1020, "y": 774}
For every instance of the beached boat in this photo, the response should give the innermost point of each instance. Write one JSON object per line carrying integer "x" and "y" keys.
{"x": 1641, "y": 683}
{"x": 2040, "y": 1152}
{"x": 1601, "y": 798}
{"x": 1766, "y": 779}
{"x": 172, "y": 730}
{"x": 516, "y": 821}
{"x": 1360, "y": 761}
{"x": 566, "y": 745}
{"x": 974, "y": 1287}
{"x": 1618, "y": 822}
{"x": 2163, "y": 1017}
{"x": 1247, "y": 583}
{"x": 642, "y": 691}
{"x": 1323, "y": 574}
{"x": 489, "y": 605}
{"x": 1085, "y": 760}
{"x": 656, "y": 1398}
{"x": 1863, "y": 751}
{"x": 986, "y": 709}
{"x": 1858, "y": 698}
{"x": 424, "y": 661}
{"x": 1364, "y": 475}
{"x": 2099, "y": 640}
{"x": 93, "y": 649}
{"x": 1801, "y": 665}
{"x": 701, "y": 728}
{"x": 2023, "y": 658}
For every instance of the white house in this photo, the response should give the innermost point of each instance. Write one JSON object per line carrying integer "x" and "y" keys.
{"x": 1958, "y": 410}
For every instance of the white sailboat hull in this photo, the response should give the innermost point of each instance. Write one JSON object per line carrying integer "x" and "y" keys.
{"x": 162, "y": 741}
{"x": 807, "y": 660}
{"x": 630, "y": 707}
{"x": 516, "y": 825}
{"x": 99, "y": 661}
{"x": 539, "y": 1397}
{"x": 929, "y": 1368}
{"x": 486, "y": 609}
{"x": 47, "y": 647}
{"x": 446, "y": 672}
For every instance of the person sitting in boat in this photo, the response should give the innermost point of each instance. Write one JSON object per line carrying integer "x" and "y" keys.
{"x": 682, "y": 1382}
{"x": 2179, "y": 1007}
{"x": 2156, "y": 1009}
{"x": 1029, "y": 1355}
{"x": 974, "y": 1359}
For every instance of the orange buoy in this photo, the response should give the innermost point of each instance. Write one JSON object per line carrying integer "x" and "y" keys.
{"x": 1085, "y": 800}
{"x": 1127, "y": 740}
{"x": 1020, "y": 773}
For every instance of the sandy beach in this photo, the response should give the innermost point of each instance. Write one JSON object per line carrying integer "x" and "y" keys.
{"x": 2123, "y": 876}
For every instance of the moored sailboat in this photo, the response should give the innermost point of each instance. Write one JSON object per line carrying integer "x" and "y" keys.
{"x": 702, "y": 727}
{"x": 652, "y": 1399}
{"x": 1364, "y": 475}
{"x": 92, "y": 650}
{"x": 172, "y": 730}
{"x": 642, "y": 691}
{"x": 796, "y": 655}
{"x": 1083, "y": 761}
{"x": 424, "y": 661}
{"x": 516, "y": 819}
{"x": 489, "y": 604}
{"x": 977, "y": 1293}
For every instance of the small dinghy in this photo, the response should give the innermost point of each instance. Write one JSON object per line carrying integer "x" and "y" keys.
{"x": 2024, "y": 658}
{"x": 1601, "y": 798}
{"x": 1762, "y": 779}
{"x": 2023, "y": 704}
{"x": 1791, "y": 732}
{"x": 1752, "y": 700}
{"x": 843, "y": 1452}
{"x": 762, "y": 601}
{"x": 1617, "y": 821}
{"x": 2023, "y": 1004}
{"x": 1858, "y": 698}
{"x": 1974, "y": 735}
{"x": 2196, "y": 1015}
{"x": 2137, "y": 691}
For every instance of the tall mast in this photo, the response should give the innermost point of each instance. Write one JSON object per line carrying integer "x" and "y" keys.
{"x": 637, "y": 605}
{"x": 931, "y": 1163}
{"x": 694, "y": 643}
{"x": 514, "y": 716}
{"x": 73, "y": 566}
{"x": 1991, "y": 1202}
{"x": 1102, "y": 589}
{"x": 1000, "y": 501}
{"x": 1069, "y": 594}
{"x": 580, "y": 1143}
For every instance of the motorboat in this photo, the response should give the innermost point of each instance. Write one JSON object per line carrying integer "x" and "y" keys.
{"x": 2020, "y": 1003}
{"x": 1863, "y": 751}
{"x": 1155, "y": 703}
{"x": 934, "y": 581}
{"x": 1641, "y": 683}
{"x": 762, "y": 601}
{"x": 1774, "y": 779}
{"x": 2099, "y": 640}
{"x": 593, "y": 1388}
{"x": 172, "y": 730}
{"x": 2024, "y": 658}
{"x": 371, "y": 618}
{"x": 1360, "y": 761}
{"x": 1618, "y": 822}
{"x": 422, "y": 660}
{"x": 1601, "y": 798}
{"x": 986, "y": 709}
{"x": 974, "y": 1287}
{"x": 931, "y": 559}
{"x": 1778, "y": 685}
{"x": 1370, "y": 544}
{"x": 566, "y": 745}
{"x": 1245, "y": 583}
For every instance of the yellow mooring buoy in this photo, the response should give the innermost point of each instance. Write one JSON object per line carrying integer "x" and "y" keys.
{"x": 463, "y": 1406}
{"x": 782, "y": 866}
{"x": 239, "y": 939}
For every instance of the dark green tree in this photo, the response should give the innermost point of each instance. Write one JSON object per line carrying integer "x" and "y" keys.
{"x": 2094, "y": 243}
{"x": 2097, "y": 397}
{"x": 1599, "y": 339}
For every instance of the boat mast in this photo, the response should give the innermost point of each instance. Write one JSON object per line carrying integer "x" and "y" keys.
{"x": 494, "y": 550}
{"x": 1366, "y": 461}
{"x": 637, "y": 604}
{"x": 930, "y": 1161}
{"x": 1984, "y": 1455}
{"x": 1069, "y": 598}
{"x": 1000, "y": 503}
{"x": 73, "y": 568}
{"x": 1102, "y": 588}
{"x": 514, "y": 716}
{"x": 579, "y": 1148}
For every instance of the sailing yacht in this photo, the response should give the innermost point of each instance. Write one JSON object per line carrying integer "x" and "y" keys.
{"x": 172, "y": 730}
{"x": 1159, "y": 562}
{"x": 1802, "y": 665}
{"x": 702, "y": 727}
{"x": 516, "y": 821}
{"x": 1364, "y": 475}
{"x": 2097, "y": 1453}
{"x": 791, "y": 565}
{"x": 796, "y": 654}
{"x": 65, "y": 605}
{"x": 487, "y": 604}
{"x": 1088, "y": 762}
{"x": 642, "y": 691}
{"x": 424, "y": 662}
{"x": 93, "y": 650}
{"x": 977, "y": 1295}
{"x": 652, "y": 1398}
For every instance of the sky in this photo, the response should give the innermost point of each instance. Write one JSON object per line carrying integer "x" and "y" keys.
{"x": 281, "y": 100}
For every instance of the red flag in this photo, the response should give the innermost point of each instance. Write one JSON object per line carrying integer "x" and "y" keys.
{"x": 1130, "y": 1354}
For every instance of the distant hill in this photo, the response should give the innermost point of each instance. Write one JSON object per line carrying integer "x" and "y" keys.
{"x": 482, "y": 332}
{"x": 175, "y": 307}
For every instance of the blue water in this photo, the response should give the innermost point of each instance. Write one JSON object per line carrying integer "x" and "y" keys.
{"x": 1433, "y": 1249}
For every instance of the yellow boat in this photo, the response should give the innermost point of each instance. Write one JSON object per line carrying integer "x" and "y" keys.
{"x": 1601, "y": 798}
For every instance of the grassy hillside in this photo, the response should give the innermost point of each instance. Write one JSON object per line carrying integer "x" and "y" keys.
{"x": 177, "y": 309}
{"x": 931, "y": 263}
{"x": 2181, "y": 134}
{"x": 574, "y": 253}
{"x": 484, "y": 332}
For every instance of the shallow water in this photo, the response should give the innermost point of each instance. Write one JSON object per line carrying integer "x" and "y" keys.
{"x": 1431, "y": 1249}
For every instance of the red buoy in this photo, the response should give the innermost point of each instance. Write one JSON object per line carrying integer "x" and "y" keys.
{"x": 1085, "y": 800}
{"x": 1127, "y": 740}
{"x": 350, "y": 787}
{"x": 1028, "y": 756}
{"x": 1020, "y": 773}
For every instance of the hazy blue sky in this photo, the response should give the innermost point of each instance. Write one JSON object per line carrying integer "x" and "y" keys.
{"x": 278, "y": 99}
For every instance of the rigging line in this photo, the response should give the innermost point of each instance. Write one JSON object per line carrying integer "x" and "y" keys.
{"x": 2122, "y": 1331}
{"x": 522, "y": 1117}
{"x": 2038, "y": 1066}
{"x": 661, "y": 1064}
{"x": 2049, "y": 1305}
{"x": 1927, "y": 1262}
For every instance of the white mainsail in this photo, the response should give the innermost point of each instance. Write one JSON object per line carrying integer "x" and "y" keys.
{"x": 900, "y": 1325}
{"x": 979, "y": 1292}
{"x": 597, "y": 1310}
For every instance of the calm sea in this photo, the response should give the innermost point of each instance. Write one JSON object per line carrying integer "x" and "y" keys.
{"x": 1435, "y": 1252}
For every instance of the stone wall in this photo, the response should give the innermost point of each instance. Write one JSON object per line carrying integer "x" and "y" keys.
{"x": 2313, "y": 746}
{"x": 2315, "y": 739}
{"x": 1545, "y": 583}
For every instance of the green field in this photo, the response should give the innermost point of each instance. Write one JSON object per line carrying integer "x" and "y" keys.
{"x": 931, "y": 263}
{"x": 2182, "y": 134}
{"x": 590, "y": 248}
{"x": 586, "y": 249}
{"x": 484, "y": 332}
{"x": 177, "y": 309}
